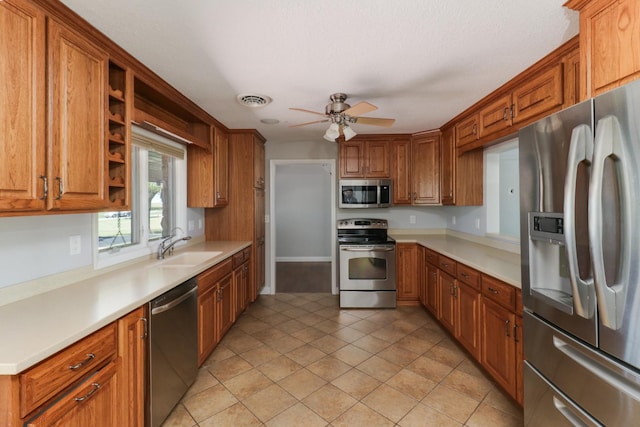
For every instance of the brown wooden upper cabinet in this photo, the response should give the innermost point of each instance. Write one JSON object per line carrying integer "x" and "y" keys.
{"x": 365, "y": 158}
{"x": 545, "y": 87}
{"x": 416, "y": 169}
{"x": 401, "y": 170}
{"x": 208, "y": 172}
{"x": 542, "y": 93}
{"x": 74, "y": 178}
{"x": 425, "y": 168}
{"x": 22, "y": 137}
{"x": 609, "y": 43}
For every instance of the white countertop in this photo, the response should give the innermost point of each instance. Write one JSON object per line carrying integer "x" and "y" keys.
{"x": 34, "y": 328}
{"x": 500, "y": 264}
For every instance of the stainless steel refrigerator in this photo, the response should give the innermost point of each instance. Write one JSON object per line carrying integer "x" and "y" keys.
{"x": 580, "y": 250}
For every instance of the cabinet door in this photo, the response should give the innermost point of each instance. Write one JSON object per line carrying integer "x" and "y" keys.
{"x": 468, "y": 318}
{"x": 352, "y": 158}
{"x": 422, "y": 276}
{"x": 259, "y": 254}
{"x": 425, "y": 169}
{"x": 495, "y": 116}
{"x": 258, "y": 163}
{"x": 539, "y": 96}
{"x": 448, "y": 167}
{"x": 432, "y": 290}
{"x": 407, "y": 269}
{"x": 226, "y": 308}
{"x": 401, "y": 171}
{"x": 94, "y": 403}
{"x": 377, "y": 159}
{"x": 221, "y": 175}
{"x": 207, "y": 323}
{"x": 22, "y": 106}
{"x": 77, "y": 77}
{"x": 467, "y": 130}
{"x": 497, "y": 347}
{"x": 241, "y": 283}
{"x": 447, "y": 302}
{"x": 132, "y": 344}
{"x": 517, "y": 337}
{"x": 609, "y": 34}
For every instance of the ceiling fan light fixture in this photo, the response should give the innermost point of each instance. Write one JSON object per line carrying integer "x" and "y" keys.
{"x": 348, "y": 133}
{"x": 332, "y": 133}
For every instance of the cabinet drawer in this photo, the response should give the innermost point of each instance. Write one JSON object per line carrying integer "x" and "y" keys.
{"x": 241, "y": 257}
{"x": 208, "y": 278}
{"x": 500, "y": 292}
{"x": 45, "y": 380}
{"x": 431, "y": 257}
{"x": 447, "y": 264}
{"x": 469, "y": 276}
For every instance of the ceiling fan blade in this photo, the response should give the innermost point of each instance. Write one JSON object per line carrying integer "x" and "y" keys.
{"x": 309, "y": 123}
{"x": 359, "y": 109}
{"x": 307, "y": 111}
{"x": 375, "y": 121}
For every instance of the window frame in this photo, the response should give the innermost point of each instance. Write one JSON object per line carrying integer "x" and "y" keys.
{"x": 146, "y": 247}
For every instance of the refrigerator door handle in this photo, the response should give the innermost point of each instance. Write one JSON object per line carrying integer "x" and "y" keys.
{"x": 610, "y": 144}
{"x": 580, "y": 150}
{"x": 565, "y": 408}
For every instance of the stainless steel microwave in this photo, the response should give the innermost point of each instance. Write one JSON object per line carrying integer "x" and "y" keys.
{"x": 365, "y": 193}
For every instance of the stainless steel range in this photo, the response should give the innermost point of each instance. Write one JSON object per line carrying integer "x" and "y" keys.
{"x": 367, "y": 264}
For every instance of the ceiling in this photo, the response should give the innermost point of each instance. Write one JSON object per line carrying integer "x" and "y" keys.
{"x": 421, "y": 62}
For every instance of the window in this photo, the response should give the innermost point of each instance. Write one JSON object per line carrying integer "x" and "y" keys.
{"x": 157, "y": 204}
{"x": 503, "y": 190}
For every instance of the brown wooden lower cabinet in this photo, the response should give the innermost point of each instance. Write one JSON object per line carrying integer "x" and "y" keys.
{"x": 93, "y": 403}
{"x": 241, "y": 282}
{"x": 468, "y": 318}
{"x": 498, "y": 354}
{"x": 447, "y": 302}
{"x": 481, "y": 312}
{"x": 432, "y": 296}
{"x": 210, "y": 306}
{"x": 132, "y": 349}
{"x": 407, "y": 275}
{"x": 73, "y": 389}
{"x": 226, "y": 304}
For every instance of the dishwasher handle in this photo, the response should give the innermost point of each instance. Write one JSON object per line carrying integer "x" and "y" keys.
{"x": 175, "y": 302}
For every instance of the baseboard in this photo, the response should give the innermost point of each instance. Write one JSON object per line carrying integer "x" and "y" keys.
{"x": 303, "y": 259}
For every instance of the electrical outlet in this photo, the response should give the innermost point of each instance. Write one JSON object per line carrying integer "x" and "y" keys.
{"x": 75, "y": 246}
{"x": 453, "y": 220}
{"x": 477, "y": 223}
{"x": 412, "y": 219}
{"x": 190, "y": 225}
{"x": 200, "y": 224}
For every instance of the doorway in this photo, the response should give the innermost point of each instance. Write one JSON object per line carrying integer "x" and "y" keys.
{"x": 302, "y": 226}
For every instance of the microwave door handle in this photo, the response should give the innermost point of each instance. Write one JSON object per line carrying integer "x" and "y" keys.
{"x": 610, "y": 144}
{"x": 580, "y": 150}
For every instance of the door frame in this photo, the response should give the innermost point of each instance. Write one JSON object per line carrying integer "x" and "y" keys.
{"x": 273, "y": 165}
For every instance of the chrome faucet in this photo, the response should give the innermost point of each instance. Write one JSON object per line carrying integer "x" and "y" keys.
{"x": 167, "y": 244}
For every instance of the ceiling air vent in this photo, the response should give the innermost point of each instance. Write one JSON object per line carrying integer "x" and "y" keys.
{"x": 253, "y": 100}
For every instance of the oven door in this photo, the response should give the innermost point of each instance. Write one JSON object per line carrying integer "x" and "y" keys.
{"x": 368, "y": 267}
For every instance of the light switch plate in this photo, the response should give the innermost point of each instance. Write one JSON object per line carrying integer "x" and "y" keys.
{"x": 75, "y": 246}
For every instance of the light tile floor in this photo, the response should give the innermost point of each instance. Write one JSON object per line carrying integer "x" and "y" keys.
{"x": 298, "y": 360}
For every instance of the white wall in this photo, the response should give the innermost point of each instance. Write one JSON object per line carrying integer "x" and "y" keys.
{"x": 37, "y": 246}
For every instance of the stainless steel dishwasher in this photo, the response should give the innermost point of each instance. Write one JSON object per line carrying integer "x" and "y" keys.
{"x": 173, "y": 348}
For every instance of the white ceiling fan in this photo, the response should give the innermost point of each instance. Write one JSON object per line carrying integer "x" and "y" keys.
{"x": 342, "y": 115}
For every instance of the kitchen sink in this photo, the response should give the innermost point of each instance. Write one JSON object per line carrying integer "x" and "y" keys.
{"x": 188, "y": 259}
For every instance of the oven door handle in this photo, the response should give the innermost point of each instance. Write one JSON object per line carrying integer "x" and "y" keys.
{"x": 384, "y": 248}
